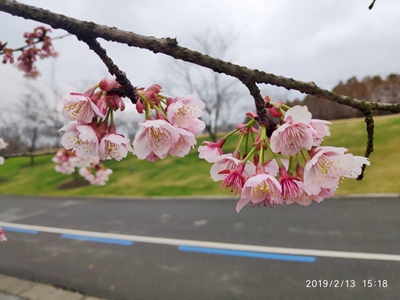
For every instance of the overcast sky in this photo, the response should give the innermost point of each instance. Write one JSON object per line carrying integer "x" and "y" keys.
{"x": 310, "y": 40}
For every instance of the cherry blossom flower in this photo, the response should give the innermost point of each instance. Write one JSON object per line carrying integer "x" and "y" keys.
{"x": 65, "y": 160}
{"x": 115, "y": 102}
{"x": 3, "y": 237}
{"x": 8, "y": 55}
{"x": 260, "y": 188}
{"x": 78, "y": 107}
{"x": 96, "y": 174}
{"x": 229, "y": 162}
{"x": 185, "y": 142}
{"x": 290, "y": 187}
{"x": 157, "y": 136}
{"x": 327, "y": 165}
{"x": 359, "y": 161}
{"x": 319, "y": 130}
{"x": 80, "y": 137}
{"x": 85, "y": 173}
{"x": 115, "y": 146}
{"x": 107, "y": 84}
{"x": 295, "y": 134}
{"x": 271, "y": 167}
{"x": 184, "y": 112}
{"x": 289, "y": 139}
{"x": 235, "y": 179}
{"x": 3, "y": 145}
{"x": 305, "y": 199}
{"x": 211, "y": 150}
{"x": 101, "y": 177}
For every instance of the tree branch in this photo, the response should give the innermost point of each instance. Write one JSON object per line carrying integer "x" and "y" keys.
{"x": 129, "y": 89}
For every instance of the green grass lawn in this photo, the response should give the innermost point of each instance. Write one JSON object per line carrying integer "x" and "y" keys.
{"x": 190, "y": 175}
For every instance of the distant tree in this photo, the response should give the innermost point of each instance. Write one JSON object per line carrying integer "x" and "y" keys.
{"x": 219, "y": 92}
{"x": 38, "y": 116}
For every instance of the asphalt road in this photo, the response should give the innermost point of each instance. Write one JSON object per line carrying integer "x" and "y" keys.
{"x": 203, "y": 249}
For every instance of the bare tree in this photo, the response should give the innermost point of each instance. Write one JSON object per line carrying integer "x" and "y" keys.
{"x": 39, "y": 117}
{"x": 219, "y": 92}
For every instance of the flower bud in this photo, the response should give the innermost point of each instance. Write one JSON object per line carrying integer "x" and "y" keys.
{"x": 108, "y": 84}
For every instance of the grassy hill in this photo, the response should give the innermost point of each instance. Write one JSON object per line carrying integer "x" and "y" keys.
{"x": 190, "y": 175}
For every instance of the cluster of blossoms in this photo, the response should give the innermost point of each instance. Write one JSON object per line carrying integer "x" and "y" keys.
{"x": 3, "y": 145}
{"x": 169, "y": 127}
{"x": 68, "y": 162}
{"x": 28, "y": 57}
{"x": 281, "y": 161}
{"x": 92, "y": 132}
{"x": 172, "y": 128}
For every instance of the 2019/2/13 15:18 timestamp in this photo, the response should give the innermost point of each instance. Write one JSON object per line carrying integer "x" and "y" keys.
{"x": 366, "y": 283}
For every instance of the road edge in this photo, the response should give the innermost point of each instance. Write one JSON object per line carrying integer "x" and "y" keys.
{"x": 28, "y": 290}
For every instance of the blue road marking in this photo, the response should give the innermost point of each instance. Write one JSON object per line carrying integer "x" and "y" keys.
{"x": 299, "y": 258}
{"x": 96, "y": 239}
{"x": 6, "y": 228}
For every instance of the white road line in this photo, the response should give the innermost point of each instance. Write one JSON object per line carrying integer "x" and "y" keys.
{"x": 182, "y": 242}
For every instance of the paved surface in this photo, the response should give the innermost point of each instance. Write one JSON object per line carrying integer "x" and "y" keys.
{"x": 12, "y": 288}
{"x": 146, "y": 249}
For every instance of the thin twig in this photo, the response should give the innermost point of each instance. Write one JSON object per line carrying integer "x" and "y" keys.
{"x": 369, "y": 120}
{"x": 37, "y": 42}
{"x": 129, "y": 89}
{"x": 371, "y": 5}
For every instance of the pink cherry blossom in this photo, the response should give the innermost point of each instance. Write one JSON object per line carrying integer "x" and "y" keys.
{"x": 3, "y": 237}
{"x": 185, "y": 142}
{"x": 319, "y": 130}
{"x": 184, "y": 112}
{"x": 85, "y": 173}
{"x": 229, "y": 162}
{"x": 325, "y": 168}
{"x": 80, "y": 137}
{"x": 260, "y": 188}
{"x": 289, "y": 139}
{"x": 290, "y": 186}
{"x": 65, "y": 160}
{"x": 107, "y": 84}
{"x": 78, "y": 107}
{"x": 116, "y": 102}
{"x": 210, "y": 150}
{"x": 306, "y": 199}
{"x": 115, "y": 146}
{"x": 295, "y": 134}
{"x": 101, "y": 177}
{"x": 358, "y": 162}
{"x": 3, "y": 144}
{"x": 151, "y": 92}
{"x": 272, "y": 168}
{"x": 298, "y": 114}
{"x": 157, "y": 136}
{"x": 234, "y": 179}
